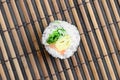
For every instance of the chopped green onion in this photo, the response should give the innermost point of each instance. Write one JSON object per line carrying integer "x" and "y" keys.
{"x": 55, "y": 35}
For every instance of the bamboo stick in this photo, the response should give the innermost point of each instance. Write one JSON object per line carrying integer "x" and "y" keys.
{"x": 80, "y": 54}
{"x": 112, "y": 26}
{"x": 73, "y": 57}
{"x": 100, "y": 39}
{"x": 17, "y": 40}
{"x": 69, "y": 20}
{"x": 77, "y": 70}
{"x": 48, "y": 10}
{"x": 119, "y": 2}
{"x": 65, "y": 10}
{"x": 26, "y": 42}
{"x": 29, "y": 26}
{"x": 107, "y": 36}
{"x": 84, "y": 41}
{"x": 2, "y": 47}
{"x": 2, "y": 73}
{"x": 40, "y": 36}
{"x": 5, "y": 56}
{"x": 57, "y": 60}
{"x": 52, "y": 19}
{"x": 115, "y": 12}
{"x": 57, "y": 9}
{"x": 13, "y": 55}
{"x": 41, "y": 13}
{"x": 34, "y": 19}
{"x": 93, "y": 40}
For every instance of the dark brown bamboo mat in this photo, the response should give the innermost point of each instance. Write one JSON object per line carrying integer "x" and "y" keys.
{"x": 23, "y": 57}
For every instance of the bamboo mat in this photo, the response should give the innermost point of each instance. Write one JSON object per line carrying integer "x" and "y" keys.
{"x": 23, "y": 57}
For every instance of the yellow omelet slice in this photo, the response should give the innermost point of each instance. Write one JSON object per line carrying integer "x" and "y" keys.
{"x": 63, "y": 43}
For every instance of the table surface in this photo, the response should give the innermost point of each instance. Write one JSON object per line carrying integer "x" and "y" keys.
{"x": 23, "y": 57}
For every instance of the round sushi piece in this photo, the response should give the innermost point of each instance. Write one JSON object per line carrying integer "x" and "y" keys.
{"x": 61, "y": 39}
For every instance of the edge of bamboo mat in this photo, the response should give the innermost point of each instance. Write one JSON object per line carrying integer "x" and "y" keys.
{"x": 22, "y": 56}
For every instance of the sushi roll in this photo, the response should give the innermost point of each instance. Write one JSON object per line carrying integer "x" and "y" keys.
{"x": 61, "y": 39}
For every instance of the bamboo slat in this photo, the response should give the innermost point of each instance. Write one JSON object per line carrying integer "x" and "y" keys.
{"x": 13, "y": 55}
{"x": 112, "y": 26}
{"x": 112, "y": 50}
{"x": 79, "y": 25}
{"x": 6, "y": 59}
{"x": 2, "y": 73}
{"x": 115, "y": 12}
{"x": 100, "y": 38}
{"x": 93, "y": 41}
{"x": 17, "y": 41}
{"x": 23, "y": 57}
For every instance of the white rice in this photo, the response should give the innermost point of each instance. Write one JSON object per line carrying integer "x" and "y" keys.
{"x": 71, "y": 30}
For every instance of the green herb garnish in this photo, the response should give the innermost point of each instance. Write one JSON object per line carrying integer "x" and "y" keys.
{"x": 55, "y": 35}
